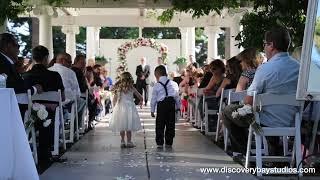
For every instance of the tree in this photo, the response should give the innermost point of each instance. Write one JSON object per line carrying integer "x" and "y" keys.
{"x": 81, "y": 40}
{"x": 59, "y": 40}
{"x": 12, "y": 8}
{"x": 161, "y": 33}
{"x": 119, "y": 32}
{"x": 267, "y": 14}
{"x": 201, "y": 46}
{"x": 23, "y": 35}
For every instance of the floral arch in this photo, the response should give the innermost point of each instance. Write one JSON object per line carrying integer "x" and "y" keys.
{"x": 147, "y": 42}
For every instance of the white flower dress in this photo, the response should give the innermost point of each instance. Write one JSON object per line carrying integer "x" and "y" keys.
{"x": 125, "y": 116}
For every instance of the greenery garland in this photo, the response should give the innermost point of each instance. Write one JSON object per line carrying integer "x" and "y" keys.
{"x": 12, "y": 8}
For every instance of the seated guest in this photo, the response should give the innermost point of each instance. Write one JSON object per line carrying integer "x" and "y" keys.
{"x": 206, "y": 77}
{"x": 96, "y": 75}
{"x": 107, "y": 85}
{"x": 179, "y": 79}
{"x": 198, "y": 76}
{"x": 79, "y": 67}
{"x": 217, "y": 68}
{"x": 9, "y": 50}
{"x": 52, "y": 61}
{"x": 278, "y": 76}
{"x": 69, "y": 79}
{"x": 50, "y": 81}
{"x": 233, "y": 72}
{"x": 93, "y": 103}
{"x": 249, "y": 63}
{"x": 39, "y": 74}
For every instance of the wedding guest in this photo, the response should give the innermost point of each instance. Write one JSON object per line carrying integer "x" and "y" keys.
{"x": 9, "y": 50}
{"x": 52, "y": 61}
{"x": 165, "y": 97}
{"x": 217, "y": 68}
{"x": 233, "y": 73}
{"x": 249, "y": 63}
{"x": 50, "y": 81}
{"x": 69, "y": 80}
{"x": 278, "y": 76}
{"x": 207, "y": 76}
{"x": 96, "y": 75}
{"x": 92, "y": 101}
{"x": 79, "y": 67}
{"x": 193, "y": 62}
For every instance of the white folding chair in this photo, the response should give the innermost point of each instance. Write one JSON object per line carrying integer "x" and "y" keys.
{"x": 224, "y": 96}
{"x": 198, "y": 120}
{"x": 84, "y": 117}
{"x": 73, "y": 124}
{"x": 232, "y": 98}
{"x": 30, "y": 131}
{"x": 262, "y": 100}
{"x": 55, "y": 97}
{"x": 207, "y": 113}
{"x": 192, "y": 105}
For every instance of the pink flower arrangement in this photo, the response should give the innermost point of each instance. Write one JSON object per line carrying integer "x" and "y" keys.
{"x": 124, "y": 49}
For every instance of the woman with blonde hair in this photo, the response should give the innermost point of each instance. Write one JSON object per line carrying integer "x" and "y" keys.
{"x": 249, "y": 64}
{"x": 125, "y": 117}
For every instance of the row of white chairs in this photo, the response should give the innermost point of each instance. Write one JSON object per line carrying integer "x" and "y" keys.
{"x": 59, "y": 122}
{"x": 261, "y": 100}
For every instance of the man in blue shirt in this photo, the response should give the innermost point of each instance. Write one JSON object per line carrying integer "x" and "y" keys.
{"x": 278, "y": 76}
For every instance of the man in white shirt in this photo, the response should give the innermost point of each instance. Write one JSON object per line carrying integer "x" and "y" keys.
{"x": 69, "y": 80}
{"x": 68, "y": 76}
{"x": 165, "y": 97}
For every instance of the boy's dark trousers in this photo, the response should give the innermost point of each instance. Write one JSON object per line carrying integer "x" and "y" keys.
{"x": 165, "y": 121}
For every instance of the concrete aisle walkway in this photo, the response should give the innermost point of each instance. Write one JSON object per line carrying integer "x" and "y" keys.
{"x": 97, "y": 156}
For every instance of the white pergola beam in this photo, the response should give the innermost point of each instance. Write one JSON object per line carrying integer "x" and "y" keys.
{"x": 117, "y": 4}
{"x": 138, "y": 21}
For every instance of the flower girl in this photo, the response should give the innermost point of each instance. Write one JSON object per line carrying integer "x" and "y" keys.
{"x": 125, "y": 116}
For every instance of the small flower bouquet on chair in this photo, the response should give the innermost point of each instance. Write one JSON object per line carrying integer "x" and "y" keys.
{"x": 38, "y": 115}
{"x": 245, "y": 114}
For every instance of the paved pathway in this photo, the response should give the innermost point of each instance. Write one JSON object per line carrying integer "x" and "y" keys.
{"x": 97, "y": 156}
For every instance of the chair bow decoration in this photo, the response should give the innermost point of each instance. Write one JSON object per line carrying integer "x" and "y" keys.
{"x": 38, "y": 114}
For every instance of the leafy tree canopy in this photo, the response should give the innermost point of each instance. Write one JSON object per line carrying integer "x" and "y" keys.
{"x": 161, "y": 33}
{"x": 266, "y": 14}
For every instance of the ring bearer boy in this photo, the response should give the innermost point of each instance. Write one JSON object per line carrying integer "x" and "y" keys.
{"x": 165, "y": 97}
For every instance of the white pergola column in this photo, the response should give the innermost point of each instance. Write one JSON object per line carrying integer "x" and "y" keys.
{"x": 140, "y": 32}
{"x": 191, "y": 41}
{"x": 184, "y": 42}
{"x": 230, "y": 43}
{"x": 45, "y": 30}
{"x": 71, "y": 32}
{"x": 93, "y": 42}
{"x": 212, "y": 32}
{"x": 234, "y": 31}
{"x": 3, "y": 26}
